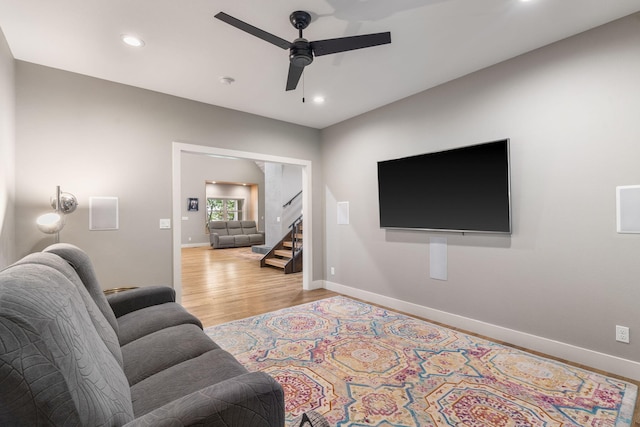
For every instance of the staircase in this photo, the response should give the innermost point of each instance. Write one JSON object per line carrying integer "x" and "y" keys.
{"x": 287, "y": 254}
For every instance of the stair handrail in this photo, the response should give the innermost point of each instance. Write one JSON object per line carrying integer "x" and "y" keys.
{"x": 294, "y": 235}
{"x": 297, "y": 220}
{"x": 292, "y": 199}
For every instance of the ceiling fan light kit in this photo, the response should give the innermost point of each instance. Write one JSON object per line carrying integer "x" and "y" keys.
{"x": 302, "y": 51}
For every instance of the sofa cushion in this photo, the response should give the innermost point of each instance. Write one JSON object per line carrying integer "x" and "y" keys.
{"x": 55, "y": 368}
{"x": 104, "y": 329}
{"x": 81, "y": 262}
{"x": 145, "y": 321}
{"x": 167, "y": 347}
{"x": 254, "y": 399}
{"x": 256, "y": 238}
{"x": 249, "y": 227}
{"x": 227, "y": 240}
{"x": 185, "y": 378}
{"x": 234, "y": 228}
{"x": 219, "y": 227}
{"x": 241, "y": 240}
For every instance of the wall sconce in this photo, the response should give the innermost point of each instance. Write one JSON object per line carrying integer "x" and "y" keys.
{"x": 53, "y": 222}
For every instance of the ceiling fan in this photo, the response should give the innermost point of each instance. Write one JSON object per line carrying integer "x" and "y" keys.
{"x": 302, "y": 51}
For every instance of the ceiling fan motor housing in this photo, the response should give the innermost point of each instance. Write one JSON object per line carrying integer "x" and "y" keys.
{"x": 300, "y": 53}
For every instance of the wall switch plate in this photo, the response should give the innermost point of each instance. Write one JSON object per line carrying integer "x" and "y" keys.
{"x": 165, "y": 223}
{"x": 622, "y": 334}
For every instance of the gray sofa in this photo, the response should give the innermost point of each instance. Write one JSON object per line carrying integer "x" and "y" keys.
{"x": 234, "y": 234}
{"x": 71, "y": 356}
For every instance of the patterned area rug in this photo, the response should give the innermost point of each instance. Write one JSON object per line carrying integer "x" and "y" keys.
{"x": 361, "y": 365}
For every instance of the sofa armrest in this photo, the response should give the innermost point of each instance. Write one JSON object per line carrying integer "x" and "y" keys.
{"x": 214, "y": 238}
{"x": 253, "y": 399}
{"x": 134, "y": 299}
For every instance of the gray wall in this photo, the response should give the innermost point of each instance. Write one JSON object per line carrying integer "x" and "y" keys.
{"x": 291, "y": 185}
{"x": 283, "y": 182}
{"x": 7, "y": 157}
{"x": 198, "y": 168}
{"x": 572, "y": 112}
{"x": 97, "y": 138}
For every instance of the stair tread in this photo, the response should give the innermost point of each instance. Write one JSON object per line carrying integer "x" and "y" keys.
{"x": 283, "y": 253}
{"x": 276, "y": 262}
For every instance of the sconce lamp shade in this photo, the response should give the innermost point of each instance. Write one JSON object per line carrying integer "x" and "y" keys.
{"x": 53, "y": 222}
{"x": 50, "y": 223}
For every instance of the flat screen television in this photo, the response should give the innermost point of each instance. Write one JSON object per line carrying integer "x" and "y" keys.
{"x": 464, "y": 189}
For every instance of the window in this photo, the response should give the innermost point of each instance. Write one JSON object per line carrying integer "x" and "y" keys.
{"x": 224, "y": 209}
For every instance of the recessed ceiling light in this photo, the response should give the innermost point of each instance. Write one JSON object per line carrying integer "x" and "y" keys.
{"x": 132, "y": 40}
{"x": 318, "y": 99}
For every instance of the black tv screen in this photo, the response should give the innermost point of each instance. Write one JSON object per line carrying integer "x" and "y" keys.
{"x": 465, "y": 189}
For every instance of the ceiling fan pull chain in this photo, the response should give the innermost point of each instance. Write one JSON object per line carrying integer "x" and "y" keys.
{"x": 303, "y": 87}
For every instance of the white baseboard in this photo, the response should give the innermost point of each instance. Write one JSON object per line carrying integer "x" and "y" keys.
{"x": 613, "y": 364}
{"x": 194, "y": 245}
{"x": 316, "y": 284}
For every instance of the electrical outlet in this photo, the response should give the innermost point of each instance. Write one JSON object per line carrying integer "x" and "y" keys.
{"x": 333, "y": 271}
{"x": 622, "y": 334}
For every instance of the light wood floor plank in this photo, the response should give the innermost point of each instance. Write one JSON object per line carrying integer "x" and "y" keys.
{"x": 221, "y": 285}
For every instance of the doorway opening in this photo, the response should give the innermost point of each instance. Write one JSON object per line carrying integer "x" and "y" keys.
{"x": 179, "y": 148}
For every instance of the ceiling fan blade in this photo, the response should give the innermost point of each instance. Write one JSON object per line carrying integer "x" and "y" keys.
{"x": 343, "y": 44}
{"x": 294, "y": 76}
{"x": 254, "y": 31}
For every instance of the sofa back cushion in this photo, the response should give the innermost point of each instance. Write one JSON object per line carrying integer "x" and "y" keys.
{"x": 249, "y": 227}
{"x": 219, "y": 227}
{"x": 81, "y": 263}
{"x": 54, "y": 367}
{"x": 234, "y": 228}
{"x": 104, "y": 329}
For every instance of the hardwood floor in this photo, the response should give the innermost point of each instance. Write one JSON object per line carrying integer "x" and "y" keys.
{"x": 222, "y": 285}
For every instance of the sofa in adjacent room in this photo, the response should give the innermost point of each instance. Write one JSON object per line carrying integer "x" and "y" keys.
{"x": 71, "y": 356}
{"x": 234, "y": 234}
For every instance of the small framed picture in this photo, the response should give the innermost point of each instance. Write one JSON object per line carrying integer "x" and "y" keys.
{"x": 192, "y": 204}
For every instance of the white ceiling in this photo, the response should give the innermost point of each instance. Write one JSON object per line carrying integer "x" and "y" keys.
{"x": 187, "y": 51}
